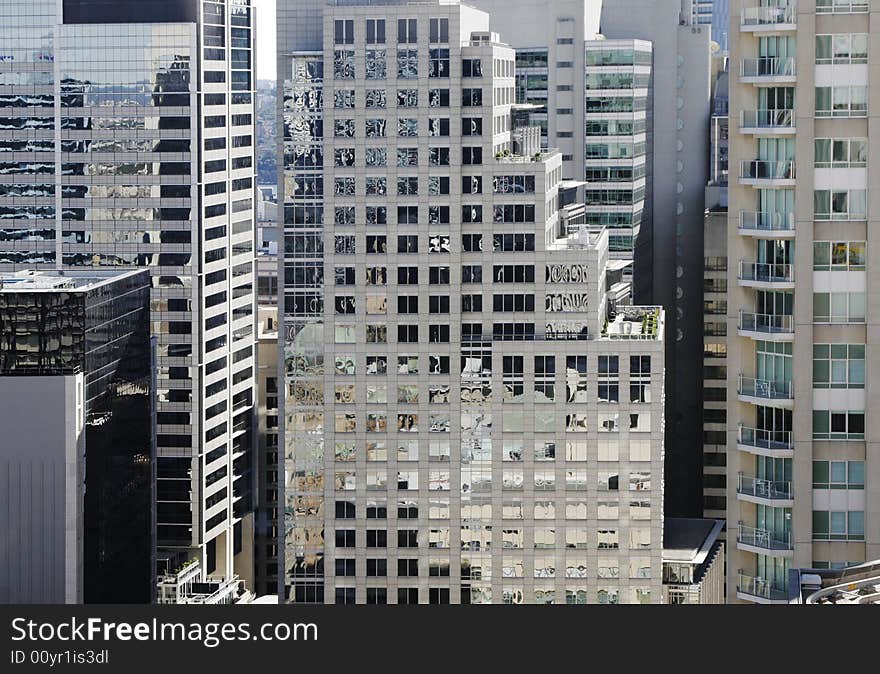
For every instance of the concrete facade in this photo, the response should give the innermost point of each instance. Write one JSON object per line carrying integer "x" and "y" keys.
{"x": 425, "y": 408}
{"x": 803, "y": 467}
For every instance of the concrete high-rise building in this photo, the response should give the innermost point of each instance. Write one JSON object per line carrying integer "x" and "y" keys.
{"x": 463, "y": 421}
{"x": 803, "y": 465}
{"x": 128, "y": 141}
{"x": 77, "y": 464}
{"x": 664, "y": 196}
{"x": 715, "y": 309}
{"x": 266, "y": 502}
{"x": 671, "y": 237}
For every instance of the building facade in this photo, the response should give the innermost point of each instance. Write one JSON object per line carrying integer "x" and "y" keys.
{"x": 715, "y": 344}
{"x": 76, "y": 410}
{"x": 803, "y": 470}
{"x": 128, "y": 142}
{"x": 434, "y": 452}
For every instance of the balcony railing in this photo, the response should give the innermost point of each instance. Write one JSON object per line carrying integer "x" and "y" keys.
{"x": 765, "y": 272}
{"x": 764, "y": 388}
{"x": 769, "y": 67}
{"x": 758, "y": 169}
{"x": 760, "y": 587}
{"x": 767, "y": 119}
{"x": 763, "y": 538}
{"x": 761, "y": 438}
{"x": 748, "y": 485}
{"x": 783, "y": 13}
{"x": 770, "y": 324}
{"x": 766, "y": 222}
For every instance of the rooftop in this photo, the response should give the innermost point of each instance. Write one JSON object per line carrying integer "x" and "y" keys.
{"x": 689, "y": 539}
{"x": 854, "y": 585}
{"x": 633, "y": 322}
{"x": 52, "y": 281}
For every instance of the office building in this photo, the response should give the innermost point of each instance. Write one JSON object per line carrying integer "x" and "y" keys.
{"x": 671, "y": 235}
{"x": 463, "y": 422}
{"x": 715, "y": 309}
{"x": 77, "y": 464}
{"x": 803, "y": 470}
{"x": 266, "y": 460}
{"x": 128, "y": 133}
{"x": 693, "y": 561}
{"x": 644, "y": 62}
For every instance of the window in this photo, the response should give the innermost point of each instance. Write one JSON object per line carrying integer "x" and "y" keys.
{"x": 471, "y": 97}
{"x": 471, "y": 273}
{"x": 407, "y": 31}
{"x": 439, "y": 30}
{"x": 838, "y": 474}
{"x": 375, "y": 31}
{"x": 472, "y": 126}
{"x": 407, "y": 243}
{"x": 375, "y": 98}
{"x": 839, "y": 255}
{"x": 472, "y": 156}
{"x": 377, "y": 567}
{"x": 438, "y": 126}
{"x": 839, "y": 307}
{"x": 843, "y": 425}
{"x": 841, "y": 6}
{"x": 842, "y": 101}
{"x": 841, "y": 152}
{"x": 842, "y": 48}
{"x": 343, "y": 32}
{"x": 438, "y": 63}
{"x": 407, "y": 64}
{"x": 377, "y": 538}
{"x": 840, "y": 204}
{"x": 839, "y": 366}
{"x": 838, "y": 525}
{"x": 471, "y": 68}
{"x": 343, "y": 64}
{"x": 438, "y": 98}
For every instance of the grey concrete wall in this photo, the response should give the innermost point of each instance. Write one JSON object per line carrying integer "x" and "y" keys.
{"x": 41, "y": 489}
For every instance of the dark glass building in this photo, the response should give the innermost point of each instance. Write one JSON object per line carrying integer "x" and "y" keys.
{"x": 90, "y": 329}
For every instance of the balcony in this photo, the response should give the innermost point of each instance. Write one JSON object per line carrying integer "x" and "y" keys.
{"x": 773, "y": 444}
{"x": 766, "y": 275}
{"x": 767, "y": 327}
{"x": 768, "y": 70}
{"x": 759, "y": 590}
{"x": 762, "y": 173}
{"x": 764, "y": 492}
{"x": 764, "y": 541}
{"x": 782, "y": 17}
{"x": 767, "y": 122}
{"x": 766, "y": 392}
{"x": 766, "y": 225}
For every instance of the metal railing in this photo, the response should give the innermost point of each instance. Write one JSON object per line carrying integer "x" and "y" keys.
{"x": 783, "y": 13}
{"x": 767, "y": 119}
{"x": 768, "y": 66}
{"x": 759, "y": 169}
{"x": 759, "y": 587}
{"x": 748, "y": 485}
{"x": 763, "y": 538}
{"x": 766, "y": 323}
{"x": 765, "y": 272}
{"x": 761, "y": 438}
{"x": 766, "y": 222}
{"x": 764, "y": 388}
